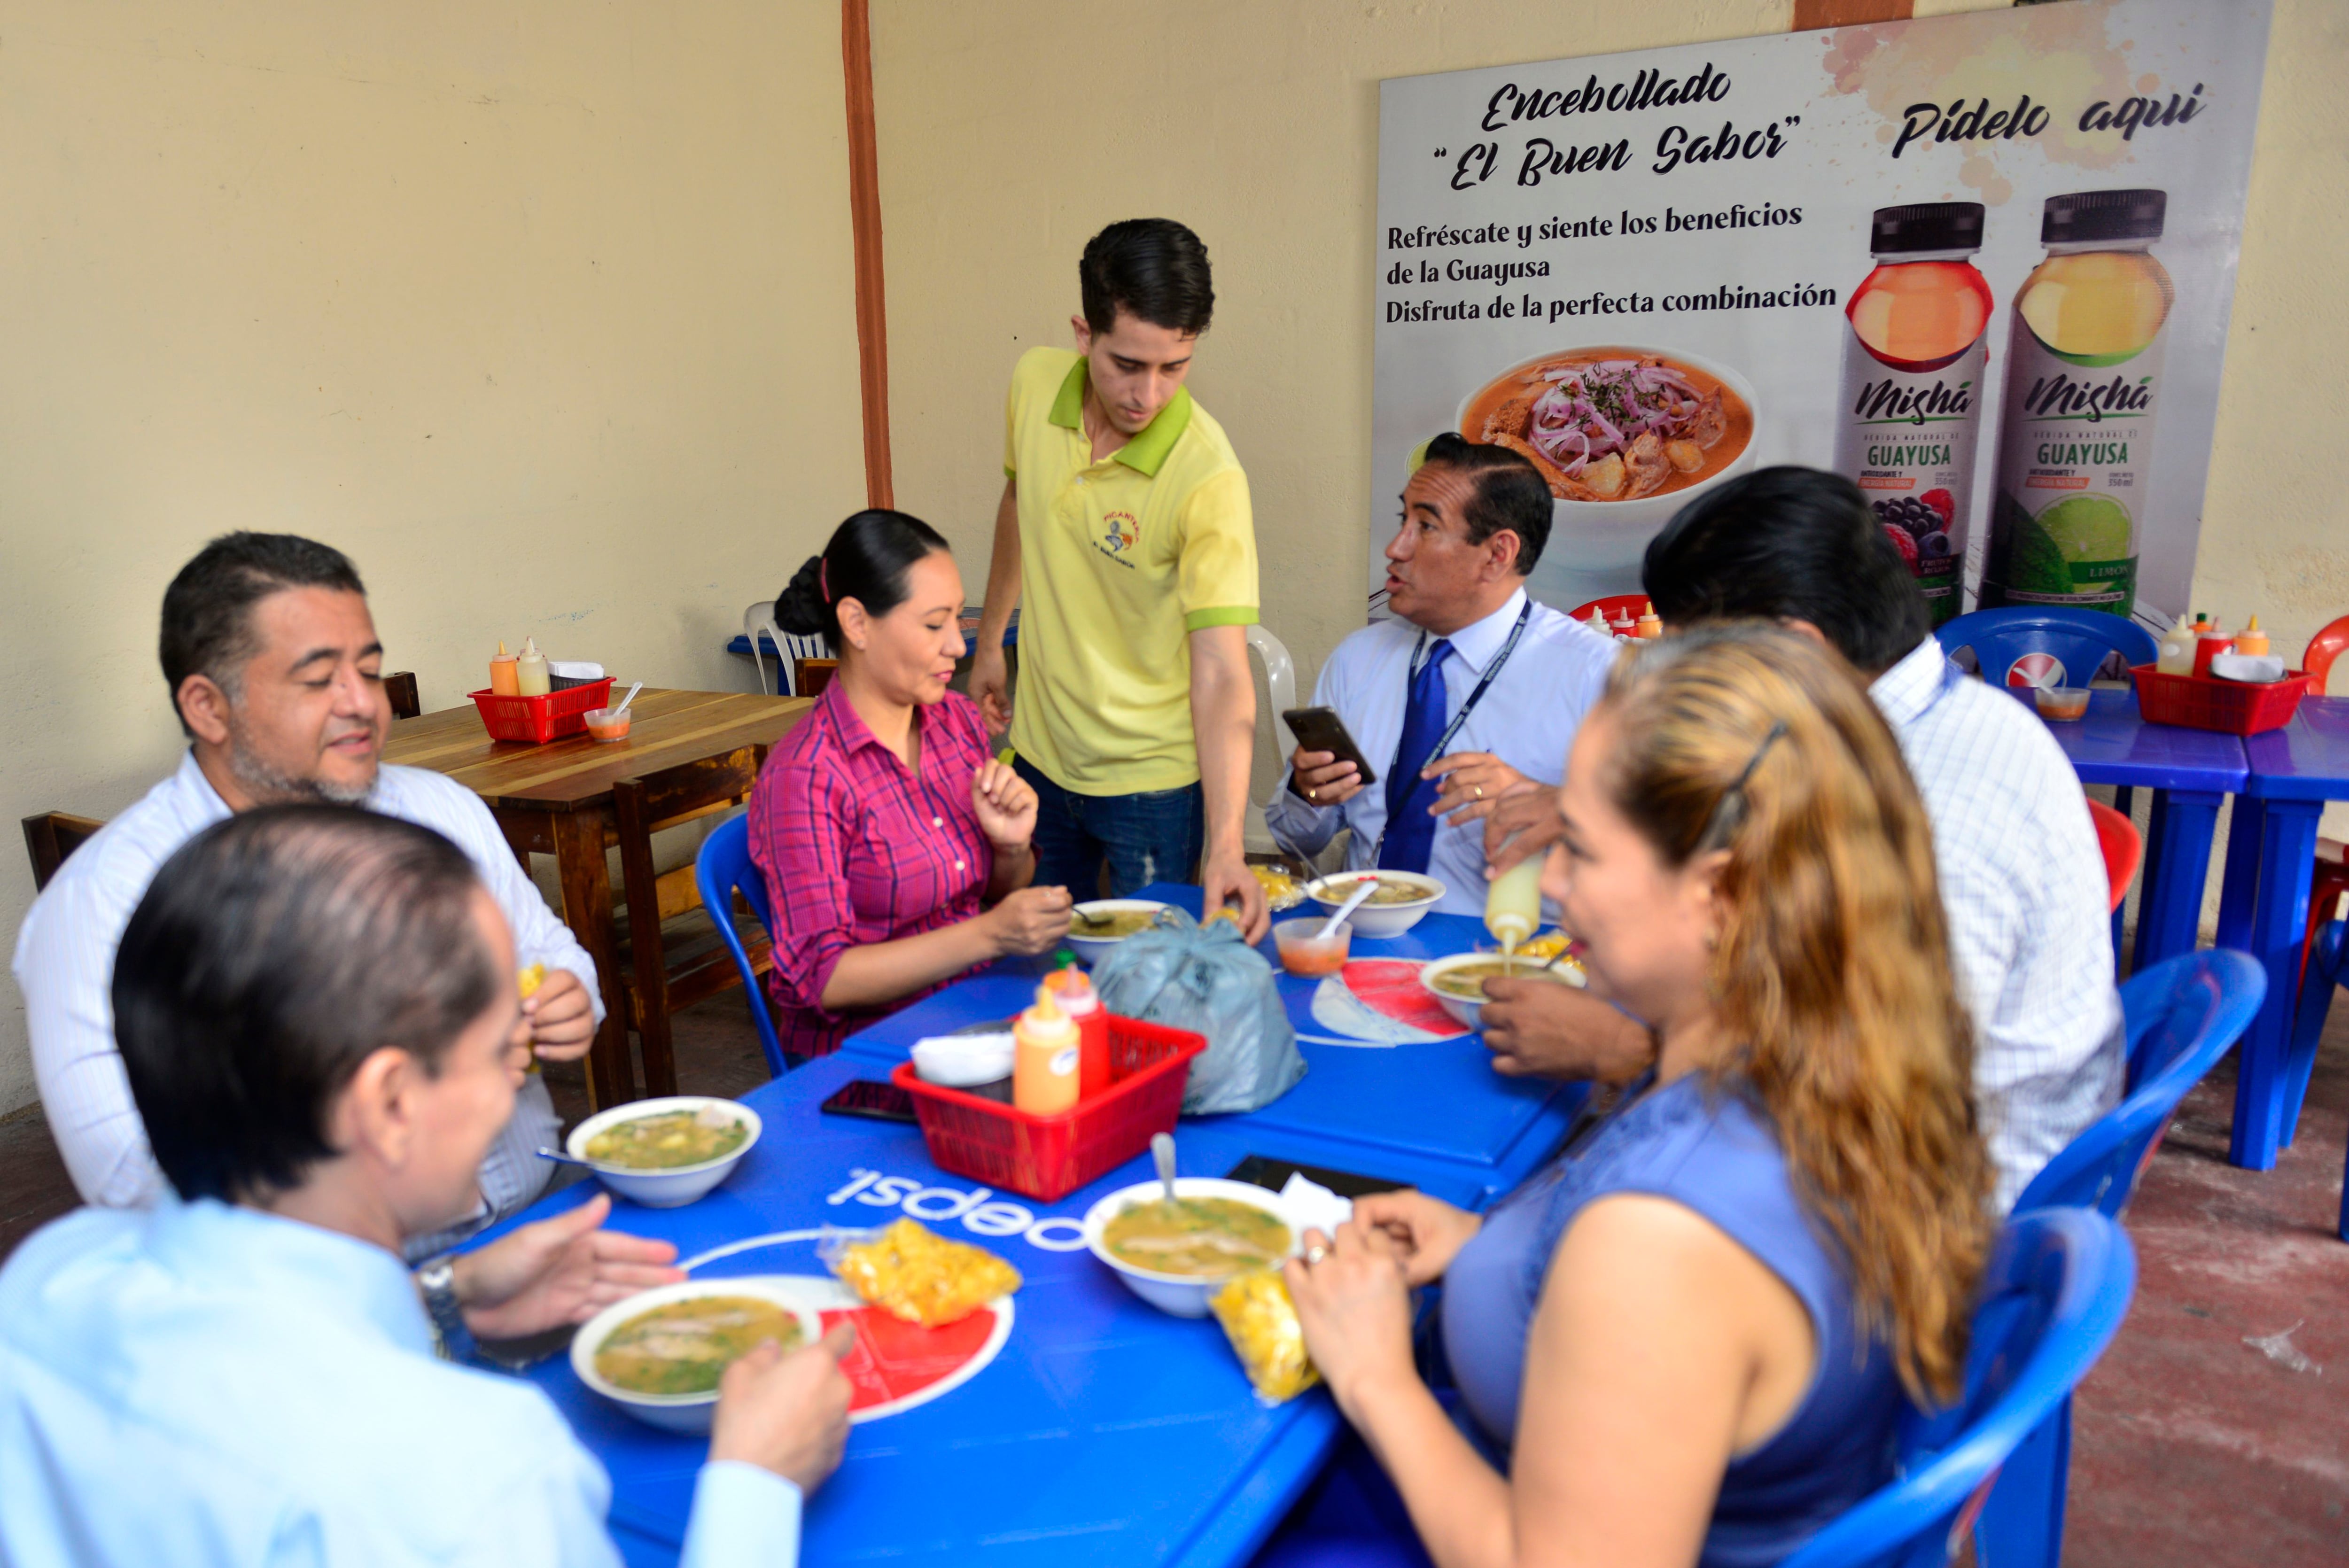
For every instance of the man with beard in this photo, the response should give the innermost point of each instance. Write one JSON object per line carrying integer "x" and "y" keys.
{"x": 274, "y": 664}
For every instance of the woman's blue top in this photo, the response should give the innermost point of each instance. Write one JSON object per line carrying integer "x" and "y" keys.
{"x": 1713, "y": 1151}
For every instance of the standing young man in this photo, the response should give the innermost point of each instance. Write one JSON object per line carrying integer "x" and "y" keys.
{"x": 1126, "y": 527}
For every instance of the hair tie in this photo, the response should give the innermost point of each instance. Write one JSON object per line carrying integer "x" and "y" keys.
{"x": 823, "y": 579}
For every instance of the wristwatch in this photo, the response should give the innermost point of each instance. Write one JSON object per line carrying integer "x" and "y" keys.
{"x": 451, "y": 1340}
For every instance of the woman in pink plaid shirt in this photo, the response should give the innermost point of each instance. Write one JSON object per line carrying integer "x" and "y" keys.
{"x": 895, "y": 848}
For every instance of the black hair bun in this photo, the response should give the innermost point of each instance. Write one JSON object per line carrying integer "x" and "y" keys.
{"x": 800, "y": 609}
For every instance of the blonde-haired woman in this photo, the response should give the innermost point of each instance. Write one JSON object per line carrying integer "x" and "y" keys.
{"x": 1690, "y": 1334}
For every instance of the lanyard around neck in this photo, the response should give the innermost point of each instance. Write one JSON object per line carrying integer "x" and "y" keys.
{"x": 1443, "y": 741}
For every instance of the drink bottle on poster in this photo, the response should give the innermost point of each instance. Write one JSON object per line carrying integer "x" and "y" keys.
{"x": 1912, "y": 387}
{"x": 2075, "y": 442}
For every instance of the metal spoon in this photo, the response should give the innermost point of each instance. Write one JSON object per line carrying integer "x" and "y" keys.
{"x": 561, "y": 1159}
{"x": 1162, "y": 1154}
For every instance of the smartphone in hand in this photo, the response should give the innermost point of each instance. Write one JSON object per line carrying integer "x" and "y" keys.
{"x": 1320, "y": 729}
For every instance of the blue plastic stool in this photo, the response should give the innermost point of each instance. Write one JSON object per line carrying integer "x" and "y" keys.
{"x": 2077, "y": 640}
{"x": 721, "y": 870}
{"x": 2058, "y": 1285}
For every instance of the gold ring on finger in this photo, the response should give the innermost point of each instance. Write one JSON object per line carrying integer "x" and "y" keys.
{"x": 1313, "y": 795}
{"x": 1315, "y": 1254}
{"x": 1480, "y": 792}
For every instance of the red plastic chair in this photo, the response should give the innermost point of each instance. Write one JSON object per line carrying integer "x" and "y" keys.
{"x": 2324, "y": 649}
{"x": 2330, "y": 878}
{"x": 1615, "y": 607}
{"x": 2124, "y": 850}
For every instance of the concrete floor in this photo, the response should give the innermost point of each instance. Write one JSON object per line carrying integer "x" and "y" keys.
{"x": 2193, "y": 1446}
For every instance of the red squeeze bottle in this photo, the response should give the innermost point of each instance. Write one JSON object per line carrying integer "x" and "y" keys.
{"x": 1073, "y": 990}
{"x": 2211, "y": 643}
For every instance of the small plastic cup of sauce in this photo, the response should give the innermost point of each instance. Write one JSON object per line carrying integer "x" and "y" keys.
{"x": 2060, "y": 702}
{"x": 1306, "y": 949}
{"x": 603, "y": 725}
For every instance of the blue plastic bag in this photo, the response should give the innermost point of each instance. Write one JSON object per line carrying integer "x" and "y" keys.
{"x": 1207, "y": 979}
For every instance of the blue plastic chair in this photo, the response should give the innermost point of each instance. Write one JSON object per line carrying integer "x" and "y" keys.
{"x": 2079, "y": 640}
{"x": 2058, "y": 1285}
{"x": 721, "y": 870}
{"x": 2328, "y": 965}
{"x": 2181, "y": 1016}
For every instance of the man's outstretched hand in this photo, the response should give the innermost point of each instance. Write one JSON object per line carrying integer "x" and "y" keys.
{"x": 558, "y": 1271}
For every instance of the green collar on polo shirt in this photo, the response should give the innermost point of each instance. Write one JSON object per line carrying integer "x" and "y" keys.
{"x": 1145, "y": 452}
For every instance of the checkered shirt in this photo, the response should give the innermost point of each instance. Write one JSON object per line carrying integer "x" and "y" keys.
{"x": 2023, "y": 885}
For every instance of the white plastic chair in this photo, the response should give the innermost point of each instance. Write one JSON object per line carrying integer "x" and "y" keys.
{"x": 1280, "y": 682}
{"x": 758, "y": 621}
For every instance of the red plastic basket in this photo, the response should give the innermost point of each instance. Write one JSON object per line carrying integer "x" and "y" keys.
{"x": 1048, "y": 1157}
{"x": 539, "y": 719}
{"x": 2205, "y": 702}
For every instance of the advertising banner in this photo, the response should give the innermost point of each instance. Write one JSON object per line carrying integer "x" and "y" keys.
{"x": 1980, "y": 264}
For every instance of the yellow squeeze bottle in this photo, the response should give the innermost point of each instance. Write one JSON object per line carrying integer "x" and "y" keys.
{"x": 529, "y": 669}
{"x": 2177, "y": 656}
{"x": 2251, "y": 640}
{"x": 1650, "y": 626}
{"x": 1045, "y": 1051}
{"x": 1512, "y": 905}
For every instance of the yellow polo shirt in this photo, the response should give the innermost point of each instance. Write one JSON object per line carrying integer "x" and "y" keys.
{"x": 1120, "y": 561}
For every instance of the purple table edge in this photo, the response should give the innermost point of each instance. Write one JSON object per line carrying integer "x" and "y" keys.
{"x": 2190, "y": 772}
{"x": 2264, "y": 910}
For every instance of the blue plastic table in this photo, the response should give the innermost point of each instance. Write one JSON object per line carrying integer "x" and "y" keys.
{"x": 2270, "y": 852}
{"x": 2190, "y": 772}
{"x": 1105, "y": 1432}
{"x": 1440, "y": 1101}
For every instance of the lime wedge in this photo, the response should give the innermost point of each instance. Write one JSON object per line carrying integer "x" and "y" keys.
{"x": 2089, "y": 528}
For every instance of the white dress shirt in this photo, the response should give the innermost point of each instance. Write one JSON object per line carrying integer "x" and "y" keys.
{"x": 2024, "y": 886}
{"x": 217, "y": 1388}
{"x": 1526, "y": 719}
{"x": 64, "y": 964}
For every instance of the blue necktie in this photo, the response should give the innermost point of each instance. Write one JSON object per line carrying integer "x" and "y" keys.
{"x": 1411, "y": 831}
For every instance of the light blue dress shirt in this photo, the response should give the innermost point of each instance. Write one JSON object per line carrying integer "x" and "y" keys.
{"x": 209, "y": 1387}
{"x": 1527, "y": 719}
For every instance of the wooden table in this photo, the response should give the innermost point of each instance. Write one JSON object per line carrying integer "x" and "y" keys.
{"x": 556, "y": 800}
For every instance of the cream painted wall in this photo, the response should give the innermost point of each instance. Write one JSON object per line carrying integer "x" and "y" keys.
{"x": 542, "y": 310}
{"x": 2275, "y": 530}
{"x": 1011, "y": 133}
